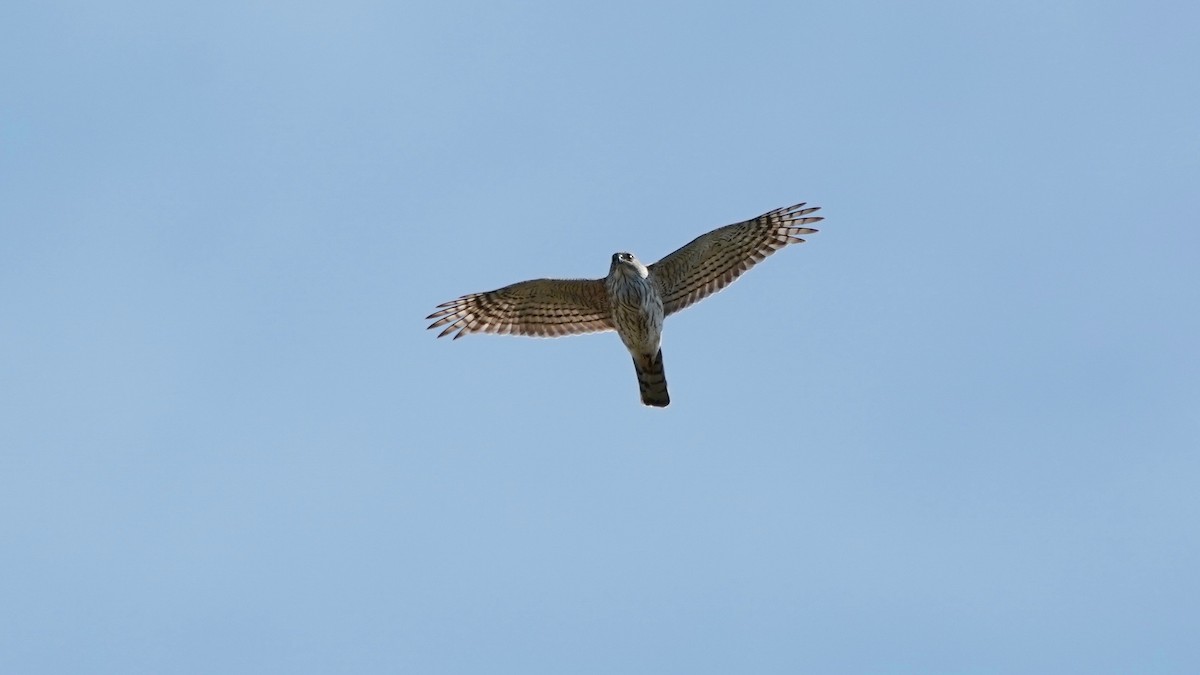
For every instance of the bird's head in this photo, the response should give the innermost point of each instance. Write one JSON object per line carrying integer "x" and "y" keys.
{"x": 628, "y": 263}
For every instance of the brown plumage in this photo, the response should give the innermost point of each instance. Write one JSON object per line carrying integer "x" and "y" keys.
{"x": 652, "y": 380}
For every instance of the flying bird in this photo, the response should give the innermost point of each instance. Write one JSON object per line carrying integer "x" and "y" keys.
{"x": 633, "y": 299}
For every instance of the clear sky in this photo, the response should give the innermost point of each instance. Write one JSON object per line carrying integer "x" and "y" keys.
{"x": 958, "y": 431}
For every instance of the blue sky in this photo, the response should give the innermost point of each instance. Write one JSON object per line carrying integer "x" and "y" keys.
{"x": 956, "y": 432}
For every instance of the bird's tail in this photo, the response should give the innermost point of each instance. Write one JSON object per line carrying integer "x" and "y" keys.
{"x": 652, "y": 380}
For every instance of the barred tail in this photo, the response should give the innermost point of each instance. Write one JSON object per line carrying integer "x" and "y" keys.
{"x": 652, "y": 380}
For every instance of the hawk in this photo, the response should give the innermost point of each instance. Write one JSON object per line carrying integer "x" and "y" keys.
{"x": 633, "y": 299}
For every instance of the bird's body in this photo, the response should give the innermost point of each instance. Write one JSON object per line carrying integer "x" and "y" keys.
{"x": 634, "y": 299}
{"x": 637, "y": 315}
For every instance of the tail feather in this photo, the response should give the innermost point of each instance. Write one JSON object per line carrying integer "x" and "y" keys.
{"x": 652, "y": 380}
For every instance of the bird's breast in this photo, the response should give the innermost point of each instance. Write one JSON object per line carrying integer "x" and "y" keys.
{"x": 637, "y": 311}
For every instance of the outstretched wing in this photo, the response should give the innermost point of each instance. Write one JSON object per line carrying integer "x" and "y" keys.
{"x": 539, "y": 308}
{"x": 712, "y": 261}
